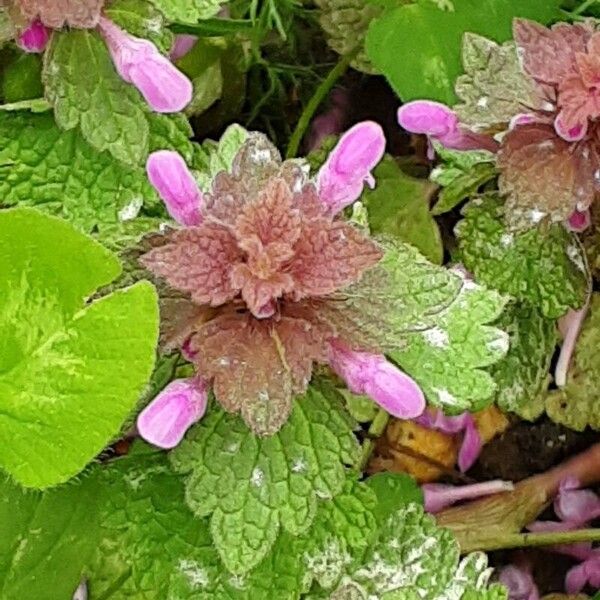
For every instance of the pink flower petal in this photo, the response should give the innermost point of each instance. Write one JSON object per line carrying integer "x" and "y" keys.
{"x": 575, "y": 505}
{"x": 471, "y": 444}
{"x": 375, "y": 376}
{"x": 519, "y": 583}
{"x": 587, "y": 573}
{"x": 521, "y": 119}
{"x": 569, "y": 131}
{"x": 174, "y": 183}
{"x": 579, "y": 221}
{"x": 427, "y": 117}
{"x": 34, "y": 38}
{"x": 570, "y": 326}
{"x": 438, "y": 495}
{"x": 138, "y": 61}
{"x": 182, "y": 44}
{"x": 166, "y": 419}
{"x": 341, "y": 179}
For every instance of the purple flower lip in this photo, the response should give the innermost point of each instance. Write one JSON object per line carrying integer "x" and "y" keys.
{"x": 438, "y": 495}
{"x": 34, "y": 38}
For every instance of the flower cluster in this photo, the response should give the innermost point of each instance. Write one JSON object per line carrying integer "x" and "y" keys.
{"x": 261, "y": 263}
{"x": 549, "y": 151}
{"x": 137, "y": 61}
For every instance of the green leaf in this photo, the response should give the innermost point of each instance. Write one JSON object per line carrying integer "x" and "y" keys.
{"x": 447, "y": 359}
{"x": 412, "y": 558}
{"x": 399, "y": 206}
{"x": 86, "y": 91}
{"x": 494, "y": 87}
{"x": 542, "y": 267}
{"x": 345, "y": 23}
{"x": 70, "y": 372}
{"x": 141, "y": 19}
{"x": 393, "y": 490}
{"x": 188, "y": 11}
{"x": 60, "y": 173}
{"x": 36, "y": 105}
{"x": 577, "y": 405}
{"x": 21, "y": 79}
{"x": 432, "y": 35}
{"x": 522, "y": 376}
{"x": 254, "y": 487}
{"x": 124, "y": 527}
{"x": 361, "y": 408}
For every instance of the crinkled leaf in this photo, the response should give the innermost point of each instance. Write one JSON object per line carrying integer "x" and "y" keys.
{"x": 65, "y": 367}
{"x": 399, "y": 206}
{"x": 461, "y": 174}
{"x": 60, "y": 173}
{"x": 542, "y": 267}
{"x": 21, "y": 78}
{"x": 86, "y": 91}
{"x": 171, "y": 132}
{"x": 141, "y": 19}
{"x": 188, "y": 11}
{"x": 253, "y": 487}
{"x": 494, "y": 87}
{"x": 432, "y": 37}
{"x": 393, "y": 490}
{"x": 522, "y": 376}
{"x": 413, "y": 559}
{"x": 58, "y": 13}
{"x": 345, "y": 23}
{"x": 448, "y": 358}
{"x": 577, "y": 405}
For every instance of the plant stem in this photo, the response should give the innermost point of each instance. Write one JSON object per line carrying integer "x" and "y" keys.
{"x": 315, "y": 101}
{"x": 524, "y": 540}
{"x": 583, "y": 7}
{"x": 377, "y": 427}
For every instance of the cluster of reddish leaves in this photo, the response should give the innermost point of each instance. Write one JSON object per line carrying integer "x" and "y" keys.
{"x": 56, "y": 13}
{"x": 269, "y": 260}
{"x": 551, "y": 163}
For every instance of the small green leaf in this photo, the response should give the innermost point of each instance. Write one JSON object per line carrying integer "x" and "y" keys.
{"x": 448, "y": 358}
{"x": 86, "y": 91}
{"x": 542, "y": 267}
{"x": 141, "y": 19}
{"x": 361, "y": 408}
{"x": 70, "y": 372}
{"x": 253, "y": 487}
{"x": 60, "y": 173}
{"x": 577, "y": 405}
{"x": 522, "y": 376}
{"x": 188, "y": 11}
{"x": 21, "y": 79}
{"x": 399, "y": 206}
{"x": 393, "y": 491}
{"x": 431, "y": 35}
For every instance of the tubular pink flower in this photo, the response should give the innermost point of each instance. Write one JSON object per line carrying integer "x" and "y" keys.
{"x": 341, "y": 179}
{"x": 587, "y": 573}
{"x": 439, "y": 495}
{"x": 570, "y": 326}
{"x": 375, "y": 376}
{"x": 34, "y": 38}
{"x": 570, "y": 132}
{"x": 166, "y": 419}
{"x": 182, "y": 44}
{"x": 471, "y": 444}
{"x": 139, "y": 62}
{"x": 174, "y": 183}
{"x": 440, "y": 123}
{"x": 519, "y": 583}
{"x": 575, "y": 505}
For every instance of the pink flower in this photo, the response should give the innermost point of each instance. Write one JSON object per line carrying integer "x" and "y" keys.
{"x": 166, "y": 419}
{"x": 174, "y": 183}
{"x": 375, "y": 376}
{"x": 182, "y": 44}
{"x": 440, "y": 123}
{"x": 341, "y": 179}
{"x": 34, "y": 38}
{"x": 519, "y": 583}
{"x": 438, "y": 495}
{"x": 330, "y": 122}
{"x": 570, "y": 326}
{"x": 579, "y": 221}
{"x": 140, "y": 63}
{"x": 587, "y": 573}
{"x": 471, "y": 444}
{"x": 575, "y": 505}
